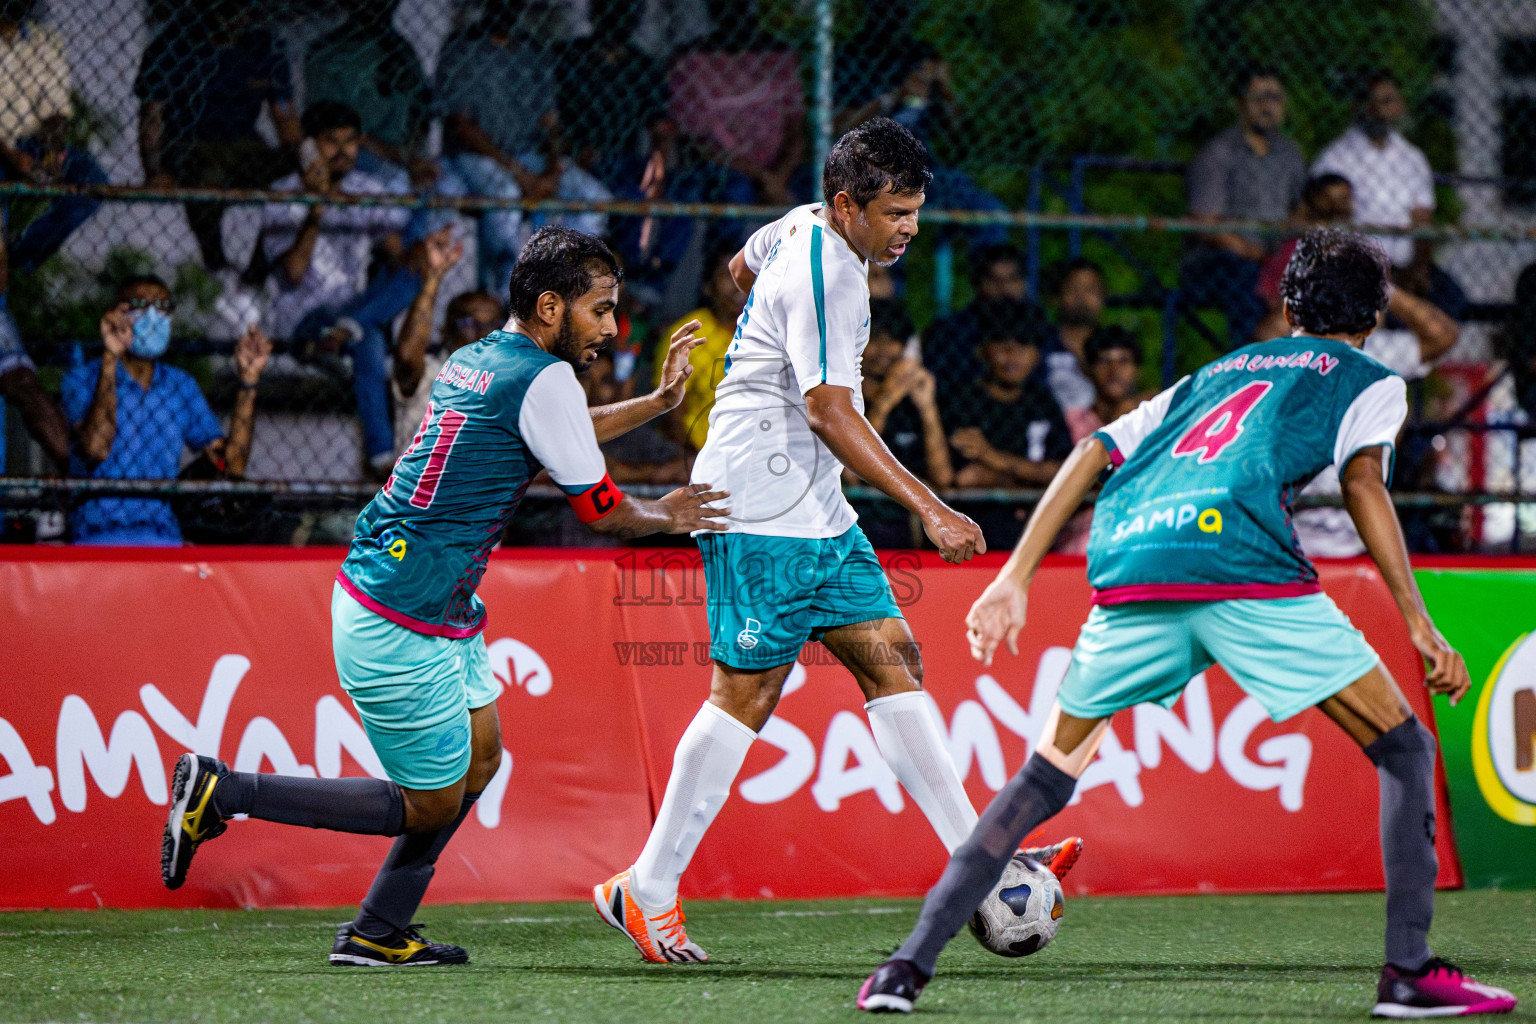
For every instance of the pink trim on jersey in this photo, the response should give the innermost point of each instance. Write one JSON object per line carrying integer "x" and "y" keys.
{"x": 1116, "y": 457}
{"x": 1204, "y": 592}
{"x": 402, "y": 619}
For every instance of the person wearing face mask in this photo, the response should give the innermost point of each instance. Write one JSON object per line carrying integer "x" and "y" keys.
{"x": 1251, "y": 171}
{"x": 132, "y": 416}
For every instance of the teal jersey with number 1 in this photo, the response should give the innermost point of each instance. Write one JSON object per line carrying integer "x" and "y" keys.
{"x": 1199, "y": 504}
{"x": 500, "y": 409}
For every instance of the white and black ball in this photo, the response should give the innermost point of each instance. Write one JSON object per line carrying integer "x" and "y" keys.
{"x": 1021, "y": 914}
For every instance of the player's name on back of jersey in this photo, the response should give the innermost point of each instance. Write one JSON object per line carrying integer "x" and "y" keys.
{"x": 464, "y": 377}
{"x": 1322, "y": 363}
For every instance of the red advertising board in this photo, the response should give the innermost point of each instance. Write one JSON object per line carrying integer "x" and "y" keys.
{"x": 113, "y": 663}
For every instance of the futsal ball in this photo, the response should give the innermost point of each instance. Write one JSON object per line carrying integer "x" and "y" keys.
{"x": 1021, "y": 914}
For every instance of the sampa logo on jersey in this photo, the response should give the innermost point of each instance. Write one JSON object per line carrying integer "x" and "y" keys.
{"x": 1504, "y": 735}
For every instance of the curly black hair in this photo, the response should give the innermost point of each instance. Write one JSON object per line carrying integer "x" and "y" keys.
{"x": 877, "y": 155}
{"x": 1336, "y": 282}
{"x": 561, "y": 260}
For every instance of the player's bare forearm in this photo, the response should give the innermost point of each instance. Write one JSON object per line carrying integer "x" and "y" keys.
{"x": 857, "y": 446}
{"x": 1370, "y": 506}
{"x": 611, "y": 421}
{"x": 743, "y": 277}
{"x": 681, "y": 511}
{"x": 1061, "y": 501}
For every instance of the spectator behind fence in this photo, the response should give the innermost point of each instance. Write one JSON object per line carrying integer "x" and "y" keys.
{"x": 949, "y": 344}
{"x": 611, "y": 94}
{"x": 721, "y": 303}
{"x": 900, "y": 396}
{"x": 320, "y": 257}
{"x": 202, "y": 85}
{"x": 1080, "y": 297}
{"x": 368, "y": 66}
{"x": 501, "y": 131}
{"x": 1114, "y": 357}
{"x": 19, "y": 386}
{"x": 469, "y": 317}
{"x": 1325, "y": 199}
{"x": 1251, "y": 171}
{"x": 35, "y": 106}
{"x": 915, "y": 91}
{"x": 1006, "y": 426}
{"x": 1517, "y": 342}
{"x": 736, "y": 95}
{"x": 1390, "y": 175}
{"x": 1410, "y": 337}
{"x": 133, "y": 415}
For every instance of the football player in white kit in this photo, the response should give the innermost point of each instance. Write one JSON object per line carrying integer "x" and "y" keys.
{"x": 793, "y": 565}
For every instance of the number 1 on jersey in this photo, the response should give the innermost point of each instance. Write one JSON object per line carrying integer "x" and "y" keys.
{"x": 1223, "y": 424}
{"x": 448, "y": 427}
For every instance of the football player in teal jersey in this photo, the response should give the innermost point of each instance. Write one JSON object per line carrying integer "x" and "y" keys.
{"x": 1193, "y": 562}
{"x": 406, "y": 624}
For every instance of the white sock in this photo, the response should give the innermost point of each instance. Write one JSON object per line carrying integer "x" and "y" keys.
{"x": 913, "y": 745}
{"x": 705, "y": 765}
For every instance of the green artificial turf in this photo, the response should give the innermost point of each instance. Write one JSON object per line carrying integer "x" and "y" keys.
{"x": 1200, "y": 958}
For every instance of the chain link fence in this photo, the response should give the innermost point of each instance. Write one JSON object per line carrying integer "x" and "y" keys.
{"x": 1116, "y": 184}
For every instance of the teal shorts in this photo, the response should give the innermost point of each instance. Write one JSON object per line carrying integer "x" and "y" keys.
{"x": 413, "y": 691}
{"x": 768, "y": 595}
{"x": 1288, "y": 653}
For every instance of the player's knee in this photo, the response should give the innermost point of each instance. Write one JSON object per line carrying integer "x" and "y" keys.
{"x": 428, "y": 812}
{"x": 484, "y": 768}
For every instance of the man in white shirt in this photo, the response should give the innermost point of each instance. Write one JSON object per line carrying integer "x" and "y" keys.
{"x": 794, "y": 566}
{"x": 1391, "y": 178}
{"x": 321, "y": 256}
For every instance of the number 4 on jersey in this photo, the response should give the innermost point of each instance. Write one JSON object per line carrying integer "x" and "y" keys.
{"x": 1223, "y": 424}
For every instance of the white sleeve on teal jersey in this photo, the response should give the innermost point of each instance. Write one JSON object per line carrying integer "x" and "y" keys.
{"x": 758, "y": 246}
{"x": 1130, "y": 430}
{"x": 825, "y": 306}
{"x": 1374, "y": 418}
{"x": 557, "y": 428}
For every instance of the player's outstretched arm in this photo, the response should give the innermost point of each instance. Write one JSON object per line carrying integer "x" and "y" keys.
{"x": 681, "y": 511}
{"x": 998, "y": 614}
{"x": 610, "y": 421}
{"x": 848, "y": 434}
{"x": 1370, "y": 506}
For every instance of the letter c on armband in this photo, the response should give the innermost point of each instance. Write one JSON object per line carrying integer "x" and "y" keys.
{"x": 596, "y": 501}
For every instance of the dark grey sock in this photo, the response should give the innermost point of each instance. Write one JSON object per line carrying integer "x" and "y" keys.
{"x": 1405, "y": 764}
{"x": 373, "y": 807}
{"x": 1039, "y": 791}
{"x": 403, "y": 878}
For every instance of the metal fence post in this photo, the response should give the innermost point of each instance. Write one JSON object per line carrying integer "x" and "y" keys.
{"x": 822, "y": 119}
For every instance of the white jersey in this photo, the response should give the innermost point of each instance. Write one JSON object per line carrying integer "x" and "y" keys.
{"x": 805, "y": 324}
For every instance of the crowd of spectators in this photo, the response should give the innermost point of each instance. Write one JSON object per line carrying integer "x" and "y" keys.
{"x": 990, "y": 396}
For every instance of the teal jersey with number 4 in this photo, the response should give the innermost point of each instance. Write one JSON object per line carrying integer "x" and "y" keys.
{"x": 1199, "y": 504}
{"x": 500, "y": 409}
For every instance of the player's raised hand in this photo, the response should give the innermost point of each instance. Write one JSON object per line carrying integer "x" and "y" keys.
{"x": 955, "y": 535}
{"x": 1445, "y": 668}
{"x": 688, "y": 509}
{"x": 996, "y": 617}
{"x": 675, "y": 369}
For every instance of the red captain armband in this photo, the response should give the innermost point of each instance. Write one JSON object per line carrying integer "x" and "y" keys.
{"x": 596, "y": 501}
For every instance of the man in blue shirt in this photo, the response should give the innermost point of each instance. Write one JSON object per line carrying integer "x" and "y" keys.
{"x": 132, "y": 415}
